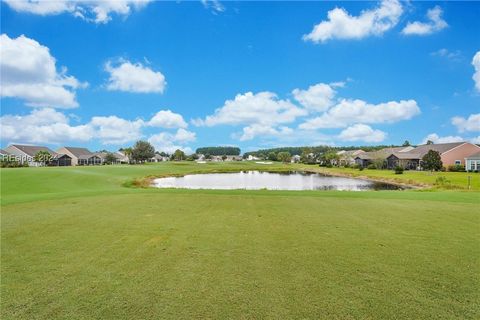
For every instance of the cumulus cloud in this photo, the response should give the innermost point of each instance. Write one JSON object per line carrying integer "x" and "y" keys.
{"x": 261, "y": 108}
{"x": 472, "y": 123}
{"x": 435, "y": 138}
{"x": 42, "y": 126}
{"x": 183, "y": 136}
{"x": 134, "y": 77}
{"x": 98, "y": 11}
{"x": 48, "y": 126}
{"x": 476, "y": 66}
{"x": 435, "y": 23}
{"x": 362, "y": 132}
{"x": 115, "y": 130}
{"x": 317, "y": 98}
{"x": 341, "y": 25}
{"x": 358, "y": 111}
{"x": 254, "y": 130}
{"x": 29, "y": 73}
{"x": 167, "y": 119}
{"x": 168, "y": 142}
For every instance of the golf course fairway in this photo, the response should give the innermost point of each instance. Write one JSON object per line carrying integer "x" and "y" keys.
{"x": 87, "y": 243}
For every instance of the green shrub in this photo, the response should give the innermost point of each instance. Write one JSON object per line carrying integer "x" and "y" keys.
{"x": 456, "y": 168}
{"x": 371, "y": 166}
{"x": 442, "y": 181}
{"x": 398, "y": 170}
{"x": 360, "y": 168}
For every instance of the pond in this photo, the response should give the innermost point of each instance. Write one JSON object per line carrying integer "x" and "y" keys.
{"x": 256, "y": 180}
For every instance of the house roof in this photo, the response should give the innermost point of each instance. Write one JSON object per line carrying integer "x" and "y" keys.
{"x": 406, "y": 155}
{"x": 440, "y": 147}
{"x": 32, "y": 150}
{"x": 3, "y": 152}
{"x": 80, "y": 153}
{"x": 475, "y": 156}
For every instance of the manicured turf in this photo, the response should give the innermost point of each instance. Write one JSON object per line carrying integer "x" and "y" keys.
{"x": 78, "y": 244}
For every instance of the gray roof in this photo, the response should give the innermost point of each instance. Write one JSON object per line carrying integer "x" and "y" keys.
{"x": 440, "y": 147}
{"x": 80, "y": 153}
{"x": 32, "y": 150}
{"x": 3, "y": 152}
{"x": 406, "y": 155}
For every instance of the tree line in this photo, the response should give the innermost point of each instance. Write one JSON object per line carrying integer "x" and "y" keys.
{"x": 219, "y": 151}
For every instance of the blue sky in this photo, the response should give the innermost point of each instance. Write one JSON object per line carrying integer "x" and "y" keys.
{"x": 249, "y": 74}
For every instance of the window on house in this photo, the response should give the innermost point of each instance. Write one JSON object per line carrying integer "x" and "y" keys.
{"x": 458, "y": 161}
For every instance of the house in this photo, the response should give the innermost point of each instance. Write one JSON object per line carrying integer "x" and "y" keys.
{"x": 159, "y": 158}
{"x": 295, "y": 158}
{"x": 363, "y": 159}
{"x": 3, "y": 154}
{"x": 348, "y": 157}
{"x": 252, "y": 158}
{"x": 472, "y": 162}
{"x": 81, "y": 156}
{"x": 122, "y": 157}
{"x": 451, "y": 154}
{"x": 26, "y": 154}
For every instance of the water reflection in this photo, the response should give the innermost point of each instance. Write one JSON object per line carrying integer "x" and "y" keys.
{"x": 256, "y": 180}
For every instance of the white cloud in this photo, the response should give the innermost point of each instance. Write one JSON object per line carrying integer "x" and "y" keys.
{"x": 472, "y": 123}
{"x": 48, "y": 126}
{"x": 475, "y": 140}
{"x": 168, "y": 142}
{"x": 255, "y": 130}
{"x": 29, "y": 73}
{"x": 358, "y": 111}
{"x": 249, "y": 108}
{"x": 136, "y": 78}
{"x": 316, "y": 98}
{"x": 167, "y": 119}
{"x": 98, "y": 11}
{"x": 115, "y": 130}
{"x": 476, "y": 65}
{"x": 42, "y": 126}
{"x": 183, "y": 136}
{"x": 437, "y": 139}
{"x": 362, "y": 132}
{"x": 445, "y": 53}
{"x": 215, "y": 5}
{"x": 341, "y": 25}
{"x": 435, "y": 23}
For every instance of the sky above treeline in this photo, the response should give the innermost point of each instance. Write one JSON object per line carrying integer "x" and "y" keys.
{"x": 104, "y": 74}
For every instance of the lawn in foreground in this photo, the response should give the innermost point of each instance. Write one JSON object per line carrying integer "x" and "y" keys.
{"x": 77, "y": 244}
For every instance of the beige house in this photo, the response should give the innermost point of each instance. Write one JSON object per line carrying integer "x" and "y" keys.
{"x": 81, "y": 156}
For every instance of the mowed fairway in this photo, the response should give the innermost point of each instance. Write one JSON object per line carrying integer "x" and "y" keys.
{"x": 78, "y": 244}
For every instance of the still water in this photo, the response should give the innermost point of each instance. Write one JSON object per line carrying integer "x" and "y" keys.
{"x": 255, "y": 180}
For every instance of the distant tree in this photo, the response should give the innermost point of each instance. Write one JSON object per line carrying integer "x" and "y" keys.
{"x": 127, "y": 152}
{"x": 406, "y": 143}
{"x": 331, "y": 157}
{"x": 208, "y": 156}
{"x": 142, "y": 151}
{"x": 42, "y": 157}
{"x": 194, "y": 156}
{"x": 110, "y": 158}
{"x": 432, "y": 161}
{"x": 179, "y": 155}
{"x": 272, "y": 156}
{"x": 429, "y": 142}
{"x": 224, "y": 157}
{"x": 219, "y": 151}
{"x": 284, "y": 156}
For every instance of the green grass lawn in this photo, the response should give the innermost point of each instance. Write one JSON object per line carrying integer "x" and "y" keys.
{"x": 78, "y": 244}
